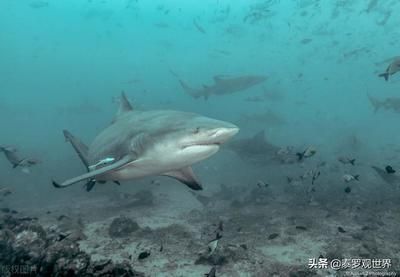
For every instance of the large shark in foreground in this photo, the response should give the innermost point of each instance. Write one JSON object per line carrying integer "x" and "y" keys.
{"x": 224, "y": 85}
{"x": 148, "y": 143}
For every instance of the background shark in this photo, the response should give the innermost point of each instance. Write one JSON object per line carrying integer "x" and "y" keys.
{"x": 390, "y": 103}
{"x": 256, "y": 149}
{"x": 139, "y": 144}
{"x": 224, "y": 85}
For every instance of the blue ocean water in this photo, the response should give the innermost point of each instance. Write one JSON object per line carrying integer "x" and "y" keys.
{"x": 63, "y": 65}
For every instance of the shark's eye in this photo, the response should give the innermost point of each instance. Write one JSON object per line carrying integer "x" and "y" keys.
{"x": 196, "y": 130}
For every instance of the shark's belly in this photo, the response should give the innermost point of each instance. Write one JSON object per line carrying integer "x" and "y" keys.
{"x": 130, "y": 173}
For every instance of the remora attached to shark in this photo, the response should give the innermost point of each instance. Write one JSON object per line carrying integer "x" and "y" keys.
{"x": 148, "y": 143}
{"x": 224, "y": 85}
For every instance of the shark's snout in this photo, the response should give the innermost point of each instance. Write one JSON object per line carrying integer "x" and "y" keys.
{"x": 221, "y": 135}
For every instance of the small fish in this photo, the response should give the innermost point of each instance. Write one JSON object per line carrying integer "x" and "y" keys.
{"x": 299, "y": 227}
{"x": 315, "y": 176}
{"x": 346, "y": 160}
{"x": 295, "y": 181}
{"x": 5, "y": 191}
{"x": 389, "y": 170}
{"x": 341, "y": 230}
{"x": 349, "y": 178}
{"x": 5, "y": 210}
{"x": 61, "y": 217}
{"x": 102, "y": 162}
{"x": 143, "y": 255}
{"x": 198, "y": 27}
{"x": 212, "y": 272}
{"x": 273, "y": 236}
{"x": 391, "y": 69}
{"x": 309, "y": 152}
{"x": 262, "y": 184}
{"x": 212, "y": 245}
{"x": 221, "y": 226}
{"x": 347, "y": 190}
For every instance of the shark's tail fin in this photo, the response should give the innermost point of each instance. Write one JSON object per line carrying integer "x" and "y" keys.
{"x": 191, "y": 91}
{"x": 384, "y": 75}
{"x": 376, "y": 104}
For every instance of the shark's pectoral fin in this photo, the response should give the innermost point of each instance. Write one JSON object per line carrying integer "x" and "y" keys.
{"x": 186, "y": 176}
{"x": 94, "y": 173}
{"x": 80, "y": 148}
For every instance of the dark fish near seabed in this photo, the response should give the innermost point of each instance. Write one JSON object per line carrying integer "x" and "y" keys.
{"x": 224, "y": 85}
{"x": 347, "y": 160}
{"x": 390, "y": 178}
{"x": 307, "y": 153}
{"x": 389, "y": 169}
{"x": 341, "y": 230}
{"x": 212, "y": 272}
{"x": 391, "y": 69}
{"x": 390, "y": 103}
{"x": 143, "y": 255}
{"x": 349, "y": 178}
{"x": 5, "y": 191}
{"x": 213, "y": 244}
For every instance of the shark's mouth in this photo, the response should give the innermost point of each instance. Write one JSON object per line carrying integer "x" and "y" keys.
{"x": 202, "y": 144}
{"x": 214, "y": 138}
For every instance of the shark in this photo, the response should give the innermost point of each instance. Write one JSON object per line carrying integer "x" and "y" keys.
{"x": 138, "y": 144}
{"x": 223, "y": 85}
{"x": 390, "y": 103}
{"x": 256, "y": 149}
{"x": 16, "y": 161}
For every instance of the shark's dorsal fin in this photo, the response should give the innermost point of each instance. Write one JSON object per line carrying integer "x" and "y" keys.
{"x": 124, "y": 105}
{"x": 186, "y": 176}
